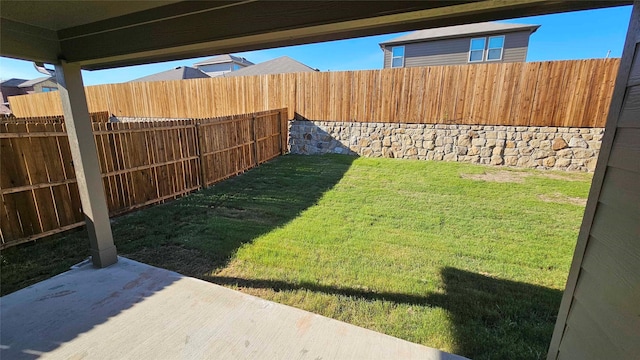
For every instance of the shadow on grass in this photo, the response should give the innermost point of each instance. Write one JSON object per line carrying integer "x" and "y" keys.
{"x": 496, "y": 318}
{"x": 193, "y": 235}
{"x": 492, "y": 318}
{"x": 198, "y": 233}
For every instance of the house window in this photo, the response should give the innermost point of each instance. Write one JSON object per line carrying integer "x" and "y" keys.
{"x": 476, "y": 50}
{"x": 236, "y": 67}
{"x": 48, "y": 89}
{"x": 397, "y": 56}
{"x": 495, "y": 48}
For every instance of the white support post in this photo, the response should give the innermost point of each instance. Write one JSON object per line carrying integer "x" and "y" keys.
{"x": 85, "y": 161}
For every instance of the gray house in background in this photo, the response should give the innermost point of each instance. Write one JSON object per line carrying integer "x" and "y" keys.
{"x": 179, "y": 73}
{"x": 281, "y": 65}
{"x": 486, "y": 42}
{"x": 14, "y": 87}
{"x": 222, "y": 64}
{"x": 41, "y": 84}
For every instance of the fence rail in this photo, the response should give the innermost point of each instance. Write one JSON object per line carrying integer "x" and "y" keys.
{"x": 142, "y": 163}
{"x": 573, "y": 93}
{"x": 99, "y": 116}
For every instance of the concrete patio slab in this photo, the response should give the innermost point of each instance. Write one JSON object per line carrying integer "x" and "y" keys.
{"x": 132, "y": 310}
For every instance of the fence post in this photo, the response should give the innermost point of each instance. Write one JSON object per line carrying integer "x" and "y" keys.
{"x": 254, "y": 139}
{"x": 203, "y": 171}
{"x": 280, "y": 130}
{"x": 284, "y": 131}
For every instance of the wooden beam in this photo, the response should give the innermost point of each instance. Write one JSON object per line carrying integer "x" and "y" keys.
{"x": 86, "y": 165}
{"x": 22, "y": 41}
{"x": 252, "y": 25}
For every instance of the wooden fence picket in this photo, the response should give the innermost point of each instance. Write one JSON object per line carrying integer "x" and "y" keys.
{"x": 573, "y": 93}
{"x": 142, "y": 163}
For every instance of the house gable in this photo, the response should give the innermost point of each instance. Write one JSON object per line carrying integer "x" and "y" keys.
{"x": 455, "y": 51}
{"x": 452, "y": 45}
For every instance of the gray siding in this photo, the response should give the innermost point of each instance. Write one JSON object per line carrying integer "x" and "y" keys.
{"x": 214, "y": 70}
{"x": 456, "y": 51}
{"x": 215, "y": 67}
{"x": 600, "y": 313}
{"x": 387, "y": 57}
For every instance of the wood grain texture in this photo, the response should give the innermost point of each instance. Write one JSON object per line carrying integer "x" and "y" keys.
{"x": 559, "y": 93}
{"x": 142, "y": 163}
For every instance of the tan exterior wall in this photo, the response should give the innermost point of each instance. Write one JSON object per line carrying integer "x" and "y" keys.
{"x": 456, "y": 51}
{"x": 599, "y": 316}
{"x": 48, "y": 83}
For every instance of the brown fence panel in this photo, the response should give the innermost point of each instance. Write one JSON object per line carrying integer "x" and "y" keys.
{"x": 142, "y": 163}
{"x": 226, "y": 148}
{"x": 147, "y": 162}
{"x": 38, "y": 186}
{"x": 233, "y": 144}
{"x": 553, "y": 93}
{"x": 559, "y": 93}
{"x": 100, "y": 116}
{"x": 268, "y": 132}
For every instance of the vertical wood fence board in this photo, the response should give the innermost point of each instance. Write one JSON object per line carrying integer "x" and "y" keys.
{"x": 142, "y": 163}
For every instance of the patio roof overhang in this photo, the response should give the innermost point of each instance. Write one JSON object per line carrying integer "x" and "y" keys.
{"x": 105, "y": 34}
{"x": 76, "y": 35}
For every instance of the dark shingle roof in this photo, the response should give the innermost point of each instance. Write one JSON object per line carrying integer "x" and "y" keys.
{"x": 179, "y": 73}
{"x": 12, "y": 82}
{"x": 224, "y": 59}
{"x": 281, "y": 65}
{"x": 459, "y": 31}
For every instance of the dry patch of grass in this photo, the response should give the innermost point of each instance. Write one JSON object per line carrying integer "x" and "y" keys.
{"x": 515, "y": 176}
{"x": 498, "y": 176}
{"x": 559, "y": 198}
{"x": 566, "y": 176}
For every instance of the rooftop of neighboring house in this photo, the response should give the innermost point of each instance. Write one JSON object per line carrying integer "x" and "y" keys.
{"x": 22, "y": 83}
{"x": 31, "y": 83}
{"x": 281, "y": 65}
{"x": 226, "y": 58}
{"x": 459, "y": 31}
{"x": 4, "y": 109}
{"x": 179, "y": 73}
{"x": 12, "y": 82}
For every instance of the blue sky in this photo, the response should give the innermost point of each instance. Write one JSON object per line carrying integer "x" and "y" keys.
{"x": 576, "y": 35}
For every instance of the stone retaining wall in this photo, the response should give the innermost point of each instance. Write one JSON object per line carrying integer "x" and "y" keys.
{"x": 558, "y": 148}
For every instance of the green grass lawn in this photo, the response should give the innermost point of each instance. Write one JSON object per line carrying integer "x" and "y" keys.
{"x": 464, "y": 258}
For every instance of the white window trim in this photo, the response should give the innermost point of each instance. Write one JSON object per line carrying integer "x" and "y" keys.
{"x": 483, "y": 50}
{"x": 393, "y": 57}
{"x": 488, "y": 48}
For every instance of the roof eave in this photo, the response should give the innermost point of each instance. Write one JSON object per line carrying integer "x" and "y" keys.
{"x": 190, "y": 32}
{"x": 531, "y": 30}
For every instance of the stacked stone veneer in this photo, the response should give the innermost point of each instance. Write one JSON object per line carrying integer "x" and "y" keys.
{"x": 560, "y": 148}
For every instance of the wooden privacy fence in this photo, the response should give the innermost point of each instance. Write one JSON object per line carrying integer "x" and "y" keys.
{"x": 574, "y": 93}
{"x": 100, "y": 116}
{"x": 142, "y": 163}
{"x": 229, "y": 147}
